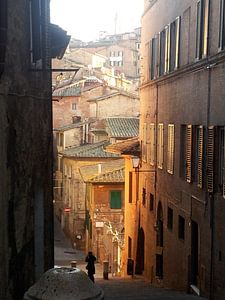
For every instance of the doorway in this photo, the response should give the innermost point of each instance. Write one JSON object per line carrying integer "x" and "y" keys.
{"x": 194, "y": 253}
{"x": 139, "y": 268}
{"x": 159, "y": 242}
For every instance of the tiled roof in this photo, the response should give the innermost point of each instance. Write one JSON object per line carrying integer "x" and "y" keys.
{"x": 129, "y": 146}
{"x": 71, "y": 90}
{"x": 89, "y": 150}
{"x": 107, "y": 96}
{"x": 69, "y": 126}
{"x": 112, "y": 171}
{"x": 122, "y": 127}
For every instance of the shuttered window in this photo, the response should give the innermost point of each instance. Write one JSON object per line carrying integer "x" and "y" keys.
{"x": 174, "y": 44}
{"x": 221, "y": 160}
{"x": 188, "y": 159}
{"x": 210, "y": 159}
{"x": 170, "y": 149}
{"x": 152, "y": 144}
{"x": 202, "y": 28}
{"x": 154, "y": 56}
{"x": 144, "y": 143}
{"x": 167, "y": 49}
{"x": 160, "y": 146}
{"x": 115, "y": 199}
{"x": 199, "y": 156}
{"x": 162, "y": 48}
{"x": 222, "y": 25}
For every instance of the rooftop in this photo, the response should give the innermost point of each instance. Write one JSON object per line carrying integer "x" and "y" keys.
{"x": 122, "y": 127}
{"x": 129, "y": 146}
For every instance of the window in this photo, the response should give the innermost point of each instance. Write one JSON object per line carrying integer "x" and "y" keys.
{"x": 152, "y": 144}
{"x": 130, "y": 186}
{"x": 210, "y": 159}
{"x": 162, "y": 41}
{"x": 160, "y": 146}
{"x": 144, "y": 143}
{"x": 36, "y": 11}
{"x": 181, "y": 228}
{"x": 143, "y": 196}
{"x": 151, "y": 202}
{"x": 154, "y": 57}
{"x": 170, "y": 218}
{"x": 198, "y": 173}
{"x": 74, "y": 106}
{"x": 170, "y": 149}
{"x": 174, "y": 44}
{"x": 186, "y": 153}
{"x": 222, "y": 25}
{"x": 221, "y": 160}
{"x": 202, "y": 28}
{"x": 167, "y": 49}
{"x": 115, "y": 200}
{"x": 159, "y": 265}
{"x": 3, "y": 24}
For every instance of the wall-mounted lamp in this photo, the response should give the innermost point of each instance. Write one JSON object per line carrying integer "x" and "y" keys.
{"x": 135, "y": 162}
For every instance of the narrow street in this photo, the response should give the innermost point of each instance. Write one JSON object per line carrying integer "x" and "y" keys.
{"x": 115, "y": 287}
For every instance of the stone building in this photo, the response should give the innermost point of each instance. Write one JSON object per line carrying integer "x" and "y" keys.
{"x": 27, "y": 42}
{"x": 181, "y": 202}
{"x": 105, "y": 211}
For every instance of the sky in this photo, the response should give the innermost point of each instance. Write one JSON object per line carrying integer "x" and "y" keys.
{"x": 84, "y": 19}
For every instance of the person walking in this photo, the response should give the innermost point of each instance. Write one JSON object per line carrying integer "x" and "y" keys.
{"x": 90, "y": 259}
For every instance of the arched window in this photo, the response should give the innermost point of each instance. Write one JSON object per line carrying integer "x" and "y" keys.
{"x": 3, "y": 26}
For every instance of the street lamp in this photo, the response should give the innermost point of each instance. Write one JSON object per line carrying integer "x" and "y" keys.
{"x": 135, "y": 161}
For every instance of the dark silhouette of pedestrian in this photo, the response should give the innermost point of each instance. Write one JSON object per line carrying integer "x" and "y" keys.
{"x": 90, "y": 259}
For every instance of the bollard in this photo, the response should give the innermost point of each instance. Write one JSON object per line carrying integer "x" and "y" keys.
{"x": 73, "y": 264}
{"x": 105, "y": 269}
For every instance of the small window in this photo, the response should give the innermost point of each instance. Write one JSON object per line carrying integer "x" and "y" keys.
{"x": 74, "y": 106}
{"x": 115, "y": 200}
{"x": 170, "y": 218}
{"x": 143, "y": 196}
{"x": 174, "y": 44}
{"x": 154, "y": 57}
{"x": 151, "y": 202}
{"x": 181, "y": 228}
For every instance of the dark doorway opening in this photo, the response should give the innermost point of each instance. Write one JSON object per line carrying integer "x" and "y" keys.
{"x": 139, "y": 268}
{"x": 159, "y": 242}
{"x": 194, "y": 253}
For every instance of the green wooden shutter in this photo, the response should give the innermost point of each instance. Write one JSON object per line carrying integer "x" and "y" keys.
{"x": 115, "y": 199}
{"x": 210, "y": 159}
{"x": 170, "y": 149}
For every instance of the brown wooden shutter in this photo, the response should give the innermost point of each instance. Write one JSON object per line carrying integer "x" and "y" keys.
{"x": 189, "y": 153}
{"x": 200, "y": 156}
{"x": 210, "y": 159}
{"x": 224, "y": 162}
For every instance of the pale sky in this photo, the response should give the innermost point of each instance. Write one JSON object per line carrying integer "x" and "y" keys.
{"x": 84, "y": 19}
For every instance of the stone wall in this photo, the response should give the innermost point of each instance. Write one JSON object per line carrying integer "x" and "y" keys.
{"x": 26, "y": 227}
